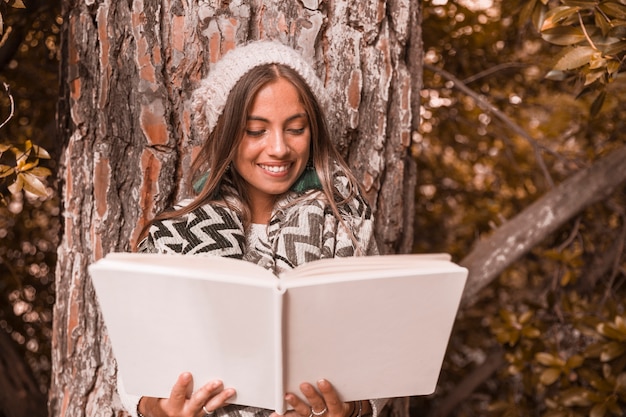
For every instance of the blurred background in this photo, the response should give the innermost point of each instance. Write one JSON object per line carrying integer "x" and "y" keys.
{"x": 548, "y": 337}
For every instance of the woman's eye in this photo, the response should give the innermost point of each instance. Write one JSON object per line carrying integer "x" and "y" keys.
{"x": 296, "y": 131}
{"x": 254, "y": 133}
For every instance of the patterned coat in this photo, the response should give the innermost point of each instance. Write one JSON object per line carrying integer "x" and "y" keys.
{"x": 302, "y": 228}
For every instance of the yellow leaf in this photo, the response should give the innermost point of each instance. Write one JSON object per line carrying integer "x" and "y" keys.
{"x": 41, "y": 152}
{"x": 18, "y": 4}
{"x": 40, "y": 172}
{"x": 32, "y": 184}
{"x": 25, "y": 167}
{"x": 572, "y": 58}
{"x": 525, "y": 317}
{"x": 612, "y": 350}
{"x": 612, "y": 331}
{"x": 564, "y": 35}
{"x": 593, "y": 76}
{"x": 598, "y": 410}
{"x": 548, "y": 359}
{"x": 575, "y": 361}
{"x": 17, "y": 186}
{"x": 549, "y": 376}
{"x": 5, "y": 171}
{"x": 557, "y": 15}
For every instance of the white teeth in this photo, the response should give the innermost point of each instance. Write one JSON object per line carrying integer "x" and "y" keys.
{"x": 275, "y": 169}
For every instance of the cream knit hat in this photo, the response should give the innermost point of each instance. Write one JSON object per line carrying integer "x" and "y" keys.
{"x": 209, "y": 99}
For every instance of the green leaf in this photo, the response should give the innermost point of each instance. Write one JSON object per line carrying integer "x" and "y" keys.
{"x": 563, "y": 36}
{"x": 572, "y": 58}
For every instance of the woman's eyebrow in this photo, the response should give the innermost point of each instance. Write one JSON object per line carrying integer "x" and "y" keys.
{"x": 289, "y": 119}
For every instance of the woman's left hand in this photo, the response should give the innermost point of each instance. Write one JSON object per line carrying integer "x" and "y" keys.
{"x": 321, "y": 402}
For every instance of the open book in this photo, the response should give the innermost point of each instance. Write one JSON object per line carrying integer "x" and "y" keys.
{"x": 375, "y": 327}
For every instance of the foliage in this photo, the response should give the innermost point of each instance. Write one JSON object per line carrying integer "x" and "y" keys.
{"x": 553, "y": 317}
{"x": 20, "y": 171}
{"x": 29, "y": 221}
{"x": 594, "y": 35}
{"x": 13, "y": 3}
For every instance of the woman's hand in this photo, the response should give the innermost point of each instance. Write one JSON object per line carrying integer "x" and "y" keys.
{"x": 183, "y": 404}
{"x": 322, "y": 402}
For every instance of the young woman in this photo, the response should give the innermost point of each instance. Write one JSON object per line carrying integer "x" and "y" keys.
{"x": 270, "y": 189}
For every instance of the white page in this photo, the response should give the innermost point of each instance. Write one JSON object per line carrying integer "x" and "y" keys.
{"x": 386, "y": 338}
{"x": 160, "y": 327}
{"x": 359, "y": 264}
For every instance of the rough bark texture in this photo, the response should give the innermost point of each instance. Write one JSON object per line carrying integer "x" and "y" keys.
{"x": 128, "y": 70}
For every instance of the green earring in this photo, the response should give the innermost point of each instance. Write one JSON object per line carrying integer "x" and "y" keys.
{"x": 308, "y": 180}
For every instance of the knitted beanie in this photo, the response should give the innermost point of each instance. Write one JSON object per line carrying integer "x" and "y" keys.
{"x": 209, "y": 99}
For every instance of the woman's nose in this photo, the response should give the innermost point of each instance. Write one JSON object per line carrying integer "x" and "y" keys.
{"x": 277, "y": 145}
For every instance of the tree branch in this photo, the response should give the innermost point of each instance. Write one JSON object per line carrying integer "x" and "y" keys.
{"x": 517, "y": 236}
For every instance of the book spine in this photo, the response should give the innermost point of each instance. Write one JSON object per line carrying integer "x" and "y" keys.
{"x": 279, "y": 358}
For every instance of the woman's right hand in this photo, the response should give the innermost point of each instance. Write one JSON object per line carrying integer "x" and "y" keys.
{"x": 209, "y": 398}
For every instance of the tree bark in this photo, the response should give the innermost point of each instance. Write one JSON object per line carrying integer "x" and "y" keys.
{"x": 517, "y": 236}
{"x": 128, "y": 69}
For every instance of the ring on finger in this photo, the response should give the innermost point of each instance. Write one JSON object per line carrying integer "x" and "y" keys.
{"x": 318, "y": 413}
{"x": 207, "y": 412}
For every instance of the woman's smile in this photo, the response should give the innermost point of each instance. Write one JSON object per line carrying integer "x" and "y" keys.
{"x": 275, "y": 147}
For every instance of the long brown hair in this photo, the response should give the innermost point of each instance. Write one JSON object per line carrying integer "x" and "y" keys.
{"x": 220, "y": 147}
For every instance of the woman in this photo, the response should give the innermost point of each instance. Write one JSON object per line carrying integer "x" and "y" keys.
{"x": 271, "y": 189}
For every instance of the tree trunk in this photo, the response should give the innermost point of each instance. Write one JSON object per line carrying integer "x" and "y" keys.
{"x": 127, "y": 72}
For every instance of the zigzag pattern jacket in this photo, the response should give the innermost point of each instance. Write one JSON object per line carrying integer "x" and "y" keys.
{"x": 302, "y": 228}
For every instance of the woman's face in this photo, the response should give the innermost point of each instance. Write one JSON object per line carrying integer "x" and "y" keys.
{"x": 275, "y": 146}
